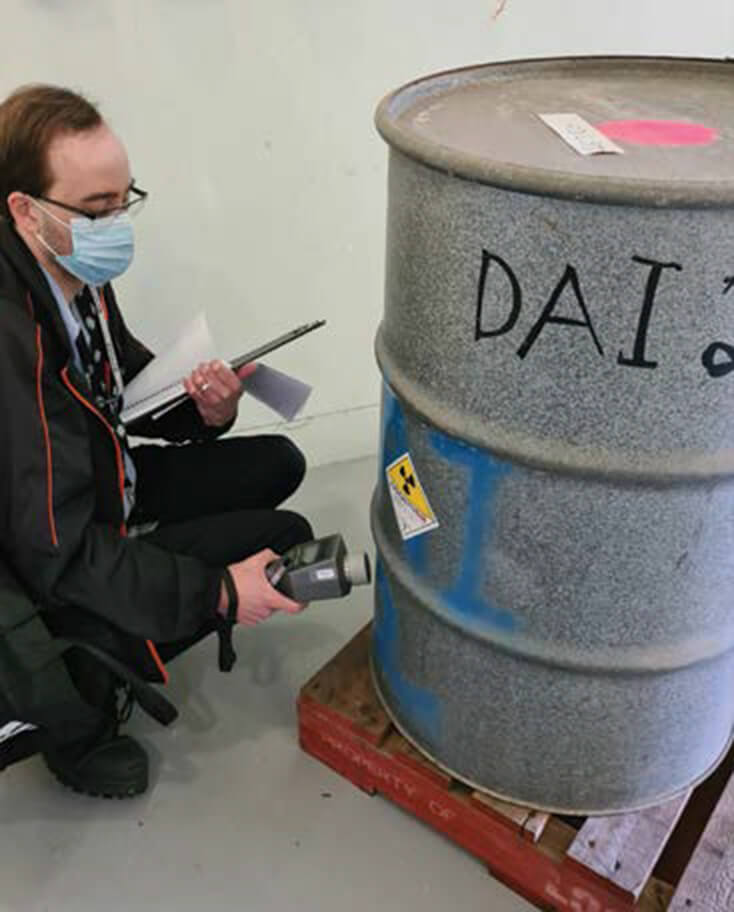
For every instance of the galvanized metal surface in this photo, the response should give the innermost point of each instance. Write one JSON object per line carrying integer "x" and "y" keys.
{"x": 481, "y": 123}
{"x": 560, "y": 372}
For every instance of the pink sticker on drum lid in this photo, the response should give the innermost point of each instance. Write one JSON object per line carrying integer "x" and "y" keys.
{"x": 658, "y": 132}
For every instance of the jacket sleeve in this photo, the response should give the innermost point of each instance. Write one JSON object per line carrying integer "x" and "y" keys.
{"x": 50, "y": 532}
{"x": 180, "y": 424}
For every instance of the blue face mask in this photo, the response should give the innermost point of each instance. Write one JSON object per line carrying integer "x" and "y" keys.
{"x": 102, "y": 249}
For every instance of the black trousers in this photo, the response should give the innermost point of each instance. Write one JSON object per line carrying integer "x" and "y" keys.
{"x": 216, "y": 501}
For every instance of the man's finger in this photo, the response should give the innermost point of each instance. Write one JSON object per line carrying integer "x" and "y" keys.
{"x": 227, "y": 376}
{"x": 246, "y": 371}
{"x": 208, "y": 384}
{"x": 213, "y": 387}
{"x": 198, "y": 379}
{"x": 256, "y": 613}
{"x": 280, "y": 602}
{"x": 251, "y": 620}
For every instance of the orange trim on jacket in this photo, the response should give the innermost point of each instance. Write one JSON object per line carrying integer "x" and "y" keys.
{"x": 118, "y": 452}
{"x": 46, "y": 438}
{"x": 104, "y": 305}
{"x": 157, "y": 659}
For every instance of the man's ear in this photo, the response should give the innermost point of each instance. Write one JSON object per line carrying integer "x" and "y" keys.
{"x": 23, "y": 212}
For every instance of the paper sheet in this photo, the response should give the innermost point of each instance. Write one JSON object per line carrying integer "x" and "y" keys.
{"x": 160, "y": 381}
{"x": 153, "y": 384}
{"x": 282, "y": 393}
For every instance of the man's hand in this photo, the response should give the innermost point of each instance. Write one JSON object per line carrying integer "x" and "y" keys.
{"x": 257, "y": 598}
{"x": 216, "y": 390}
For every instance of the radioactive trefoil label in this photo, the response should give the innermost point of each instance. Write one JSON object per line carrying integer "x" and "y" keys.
{"x": 413, "y": 512}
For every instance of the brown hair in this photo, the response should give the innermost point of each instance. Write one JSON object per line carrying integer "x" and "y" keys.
{"x": 30, "y": 119}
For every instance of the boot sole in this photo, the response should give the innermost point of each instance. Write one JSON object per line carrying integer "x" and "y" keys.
{"x": 109, "y": 791}
{"x": 132, "y": 791}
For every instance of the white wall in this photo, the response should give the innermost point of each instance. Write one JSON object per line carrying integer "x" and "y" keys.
{"x": 250, "y": 121}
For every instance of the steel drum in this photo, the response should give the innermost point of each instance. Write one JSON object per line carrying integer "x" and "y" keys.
{"x": 554, "y": 516}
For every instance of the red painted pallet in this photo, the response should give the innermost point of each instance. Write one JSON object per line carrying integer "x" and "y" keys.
{"x": 678, "y": 857}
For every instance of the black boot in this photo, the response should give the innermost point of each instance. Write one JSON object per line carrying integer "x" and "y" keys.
{"x": 109, "y": 765}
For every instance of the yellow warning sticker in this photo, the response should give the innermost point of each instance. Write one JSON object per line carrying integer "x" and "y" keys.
{"x": 413, "y": 512}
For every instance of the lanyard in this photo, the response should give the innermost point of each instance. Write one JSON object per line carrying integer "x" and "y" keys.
{"x": 108, "y": 344}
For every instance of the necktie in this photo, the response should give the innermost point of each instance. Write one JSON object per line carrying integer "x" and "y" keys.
{"x": 96, "y": 365}
{"x": 91, "y": 348}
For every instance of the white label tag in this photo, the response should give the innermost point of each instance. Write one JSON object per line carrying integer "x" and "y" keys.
{"x": 325, "y": 574}
{"x": 580, "y": 135}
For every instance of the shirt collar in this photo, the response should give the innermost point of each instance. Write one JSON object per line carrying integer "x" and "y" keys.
{"x": 67, "y": 314}
{"x": 71, "y": 322}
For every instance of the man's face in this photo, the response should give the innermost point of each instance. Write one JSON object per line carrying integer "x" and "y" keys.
{"x": 90, "y": 171}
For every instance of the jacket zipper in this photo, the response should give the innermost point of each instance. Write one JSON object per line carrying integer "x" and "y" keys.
{"x": 118, "y": 452}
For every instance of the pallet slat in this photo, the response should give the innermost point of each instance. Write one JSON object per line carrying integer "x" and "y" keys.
{"x": 707, "y": 884}
{"x": 625, "y": 848}
{"x": 530, "y": 823}
{"x": 344, "y": 687}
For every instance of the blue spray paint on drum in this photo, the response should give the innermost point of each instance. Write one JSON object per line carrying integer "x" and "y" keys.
{"x": 486, "y": 474}
{"x": 415, "y": 703}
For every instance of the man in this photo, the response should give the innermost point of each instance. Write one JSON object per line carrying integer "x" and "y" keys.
{"x": 77, "y": 502}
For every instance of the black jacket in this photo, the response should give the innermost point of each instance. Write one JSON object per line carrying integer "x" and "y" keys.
{"x": 62, "y": 529}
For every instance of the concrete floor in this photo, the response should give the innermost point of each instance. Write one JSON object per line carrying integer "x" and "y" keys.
{"x": 237, "y": 816}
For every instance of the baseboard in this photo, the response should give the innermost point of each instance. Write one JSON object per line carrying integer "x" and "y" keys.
{"x": 332, "y": 437}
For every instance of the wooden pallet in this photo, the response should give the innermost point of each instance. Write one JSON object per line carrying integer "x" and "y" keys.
{"x": 678, "y": 857}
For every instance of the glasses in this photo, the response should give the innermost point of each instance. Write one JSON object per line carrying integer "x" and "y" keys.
{"x": 132, "y": 207}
